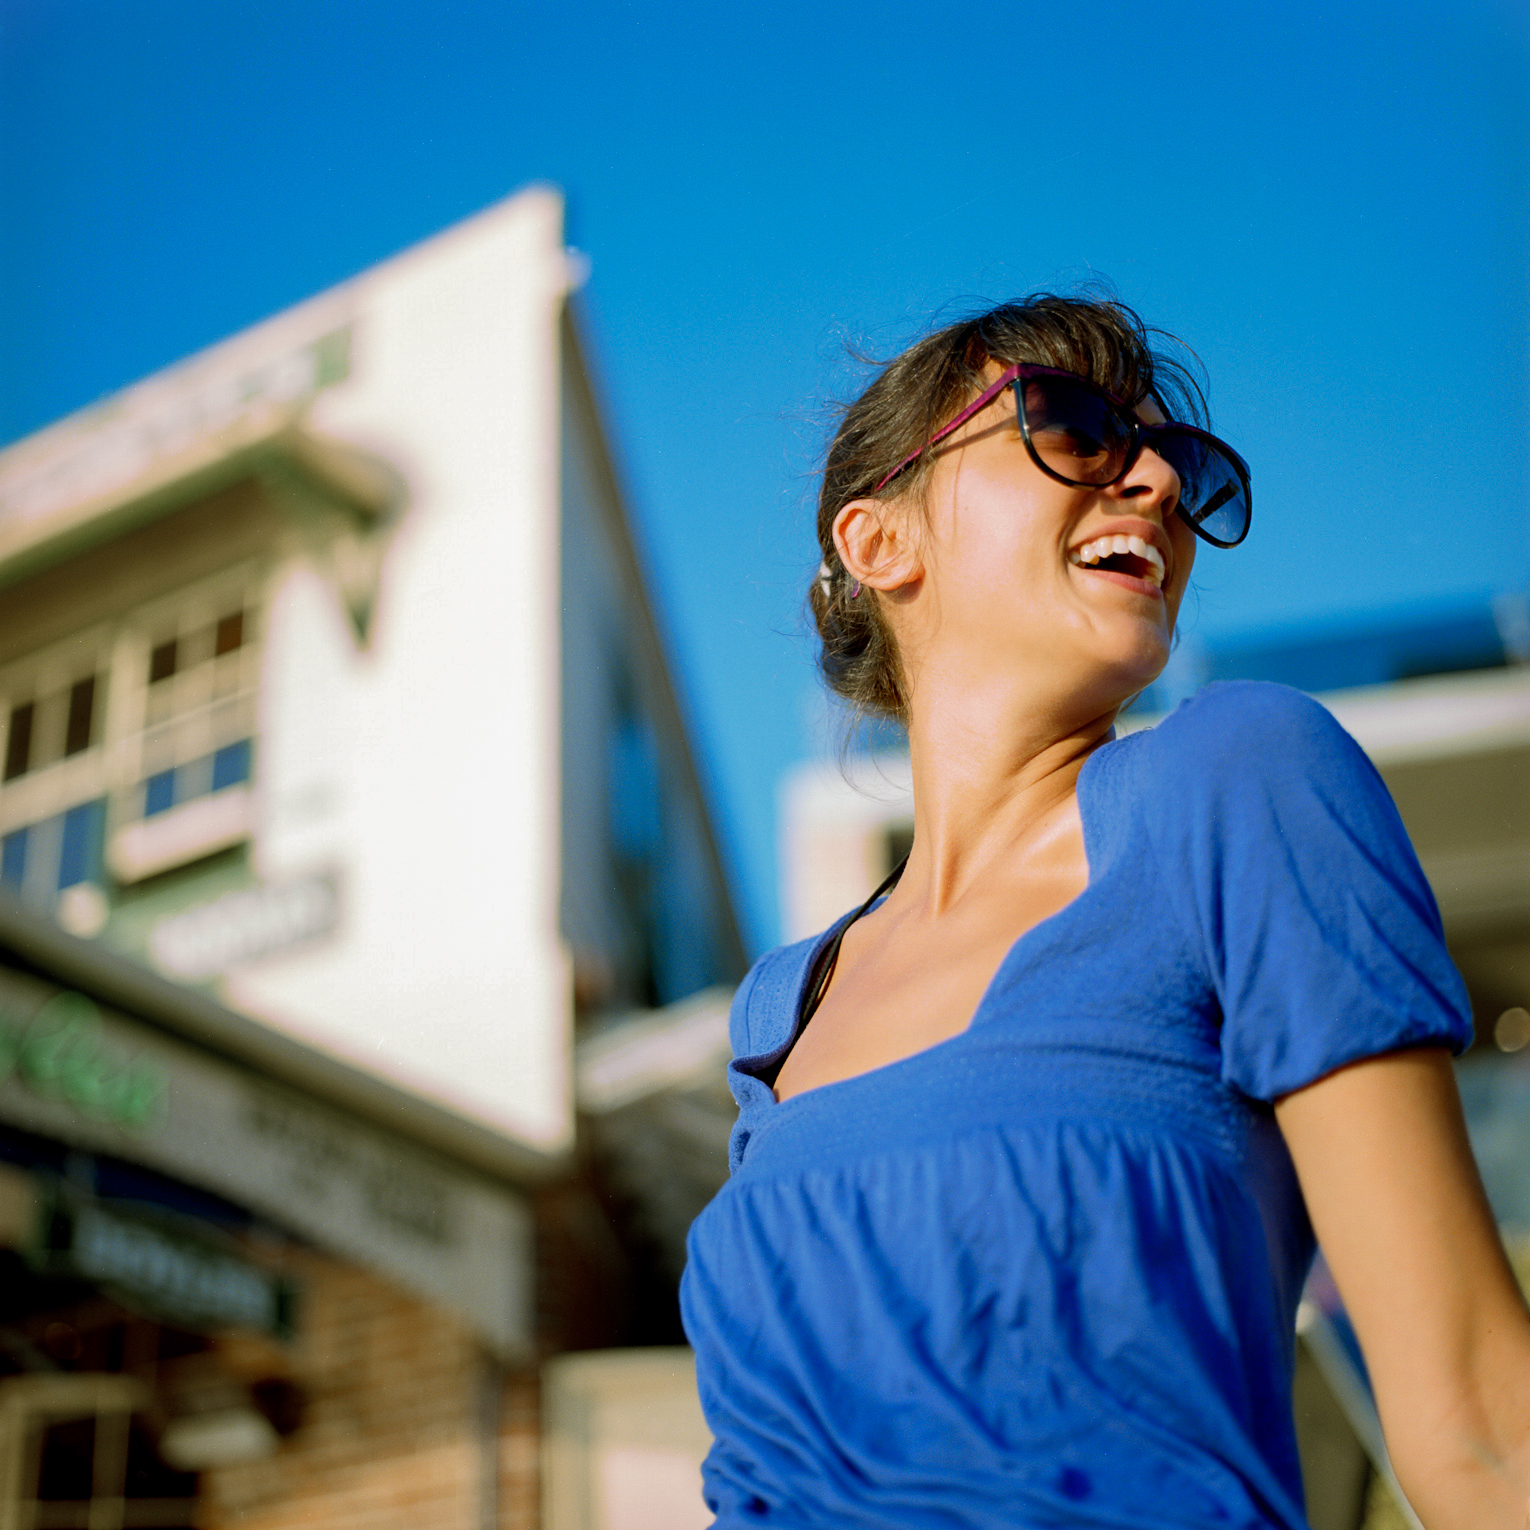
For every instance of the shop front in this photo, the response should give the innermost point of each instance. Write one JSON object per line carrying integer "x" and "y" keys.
{"x": 240, "y": 1283}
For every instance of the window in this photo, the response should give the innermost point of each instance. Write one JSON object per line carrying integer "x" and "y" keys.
{"x": 53, "y": 795}
{"x": 79, "y": 725}
{"x": 129, "y": 746}
{"x": 41, "y": 859}
{"x": 51, "y": 728}
{"x": 82, "y": 1455}
{"x": 102, "y": 1470}
{"x": 162, "y": 661}
{"x": 229, "y": 766}
{"x": 634, "y": 790}
{"x": 198, "y": 712}
{"x": 18, "y": 747}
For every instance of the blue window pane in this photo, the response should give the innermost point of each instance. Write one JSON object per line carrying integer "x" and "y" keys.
{"x": 13, "y": 857}
{"x": 79, "y": 858}
{"x": 159, "y": 793}
{"x": 231, "y": 765}
{"x": 634, "y": 787}
{"x": 194, "y": 778}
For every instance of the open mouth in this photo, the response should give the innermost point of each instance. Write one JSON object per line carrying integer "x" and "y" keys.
{"x": 1131, "y": 556}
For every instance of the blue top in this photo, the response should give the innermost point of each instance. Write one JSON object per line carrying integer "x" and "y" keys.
{"x": 1045, "y": 1272}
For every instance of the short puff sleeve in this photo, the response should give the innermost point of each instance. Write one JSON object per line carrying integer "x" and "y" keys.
{"x": 1296, "y": 880}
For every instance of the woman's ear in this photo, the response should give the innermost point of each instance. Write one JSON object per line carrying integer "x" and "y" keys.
{"x": 876, "y": 543}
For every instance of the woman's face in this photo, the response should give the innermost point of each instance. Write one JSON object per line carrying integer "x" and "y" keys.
{"x": 1018, "y": 572}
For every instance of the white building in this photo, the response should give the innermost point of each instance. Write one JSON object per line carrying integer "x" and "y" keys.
{"x": 329, "y": 688}
{"x": 325, "y": 679}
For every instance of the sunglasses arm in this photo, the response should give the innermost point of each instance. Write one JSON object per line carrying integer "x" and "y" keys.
{"x": 982, "y": 401}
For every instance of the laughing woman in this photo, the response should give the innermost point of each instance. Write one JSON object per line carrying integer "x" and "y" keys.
{"x": 1032, "y": 1149}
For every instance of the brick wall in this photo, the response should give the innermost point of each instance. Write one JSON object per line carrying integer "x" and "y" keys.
{"x": 400, "y": 1402}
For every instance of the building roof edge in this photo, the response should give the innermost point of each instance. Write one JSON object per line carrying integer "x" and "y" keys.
{"x": 576, "y": 361}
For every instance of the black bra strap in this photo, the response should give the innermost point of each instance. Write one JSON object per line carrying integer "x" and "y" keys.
{"x": 828, "y": 958}
{"x": 823, "y": 971}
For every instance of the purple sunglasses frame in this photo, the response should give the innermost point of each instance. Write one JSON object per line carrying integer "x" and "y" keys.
{"x": 1142, "y": 434}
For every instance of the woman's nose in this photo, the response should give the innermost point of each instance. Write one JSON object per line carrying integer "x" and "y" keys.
{"x": 1152, "y": 480}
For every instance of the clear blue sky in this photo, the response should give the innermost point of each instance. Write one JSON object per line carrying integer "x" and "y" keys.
{"x": 1331, "y": 204}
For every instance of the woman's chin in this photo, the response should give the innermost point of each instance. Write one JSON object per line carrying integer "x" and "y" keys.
{"x": 1139, "y": 661}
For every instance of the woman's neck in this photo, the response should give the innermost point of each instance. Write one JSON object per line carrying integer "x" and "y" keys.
{"x": 994, "y": 776}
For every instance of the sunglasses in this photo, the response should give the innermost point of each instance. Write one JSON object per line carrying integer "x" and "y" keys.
{"x": 1081, "y": 435}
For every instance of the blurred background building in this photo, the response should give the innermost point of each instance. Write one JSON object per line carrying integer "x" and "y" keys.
{"x": 347, "y": 817}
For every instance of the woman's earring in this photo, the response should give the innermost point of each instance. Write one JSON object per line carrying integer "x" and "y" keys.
{"x": 855, "y": 589}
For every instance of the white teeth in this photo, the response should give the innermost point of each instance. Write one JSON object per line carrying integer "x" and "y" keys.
{"x": 1105, "y": 547}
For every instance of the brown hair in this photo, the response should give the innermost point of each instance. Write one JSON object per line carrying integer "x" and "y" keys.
{"x": 907, "y": 402}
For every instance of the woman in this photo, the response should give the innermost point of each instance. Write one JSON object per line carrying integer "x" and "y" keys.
{"x": 1027, "y": 1149}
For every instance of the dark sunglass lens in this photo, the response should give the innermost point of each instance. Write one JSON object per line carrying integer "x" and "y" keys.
{"x": 1073, "y": 430}
{"x": 1213, "y": 496}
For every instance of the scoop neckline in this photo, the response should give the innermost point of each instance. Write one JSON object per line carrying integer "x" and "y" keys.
{"x": 1085, "y": 813}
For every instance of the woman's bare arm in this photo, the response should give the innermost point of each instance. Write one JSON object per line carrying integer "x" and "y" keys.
{"x": 1395, "y": 1198}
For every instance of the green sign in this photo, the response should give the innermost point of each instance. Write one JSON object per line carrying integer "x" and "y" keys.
{"x": 57, "y": 1053}
{"x": 174, "y": 1273}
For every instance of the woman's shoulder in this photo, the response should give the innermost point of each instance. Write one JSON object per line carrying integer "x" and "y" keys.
{"x": 1278, "y": 845}
{"x": 1250, "y": 720}
{"x": 1247, "y": 737}
{"x": 1253, "y": 762}
{"x": 765, "y": 1003}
